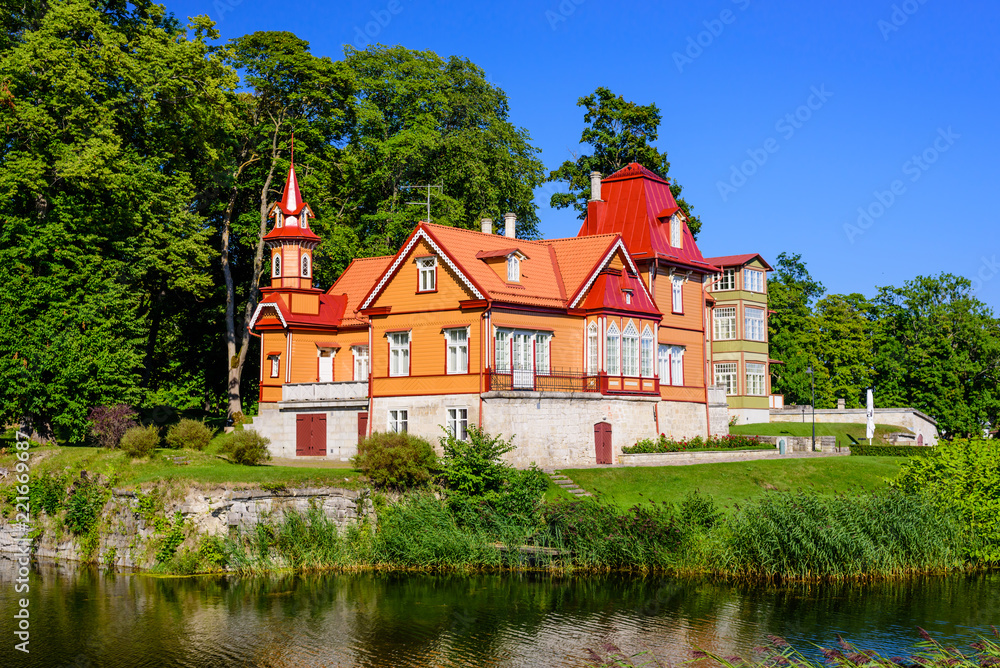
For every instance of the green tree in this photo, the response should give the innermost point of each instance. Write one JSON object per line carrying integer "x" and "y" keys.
{"x": 104, "y": 155}
{"x": 289, "y": 91}
{"x": 618, "y": 132}
{"x": 420, "y": 119}
{"x": 937, "y": 349}
{"x": 844, "y": 345}
{"x": 792, "y": 331}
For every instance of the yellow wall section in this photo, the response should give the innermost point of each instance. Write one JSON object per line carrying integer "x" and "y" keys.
{"x": 428, "y": 346}
{"x": 694, "y": 355}
{"x": 305, "y": 303}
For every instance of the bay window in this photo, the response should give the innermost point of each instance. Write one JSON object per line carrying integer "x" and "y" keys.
{"x": 725, "y": 375}
{"x": 753, "y": 322}
{"x": 612, "y": 350}
{"x": 724, "y": 319}
{"x": 755, "y": 378}
{"x": 646, "y": 353}
{"x": 630, "y": 351}
{"x": 593, "y": 350}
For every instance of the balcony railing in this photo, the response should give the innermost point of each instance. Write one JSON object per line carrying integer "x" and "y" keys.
{"x": 553, "y": 381}
{"x": 353, "y": 389}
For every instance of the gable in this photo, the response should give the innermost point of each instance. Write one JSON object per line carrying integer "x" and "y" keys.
{"x": 402, "y": 290}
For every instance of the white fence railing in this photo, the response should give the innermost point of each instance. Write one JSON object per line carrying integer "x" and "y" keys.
{"x": 354, "y": 389}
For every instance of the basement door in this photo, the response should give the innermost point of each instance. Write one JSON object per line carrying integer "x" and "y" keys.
{"x": 602, "y": 442}
{"x": 310, "y": 435}
{"x": 362, "y": 426}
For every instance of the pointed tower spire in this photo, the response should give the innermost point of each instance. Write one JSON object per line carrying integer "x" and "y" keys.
{"x": 291, "y": 199}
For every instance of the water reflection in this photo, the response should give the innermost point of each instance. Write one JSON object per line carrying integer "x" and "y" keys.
{"x": 81, "y": 617}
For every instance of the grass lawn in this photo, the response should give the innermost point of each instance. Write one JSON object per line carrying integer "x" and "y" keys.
{"x": 205, "y": 468}
{"x": 843, "y": 432}
{"x": 732, "y": 481}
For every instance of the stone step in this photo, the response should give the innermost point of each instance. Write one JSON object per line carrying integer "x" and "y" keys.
{"x": 575, "y": 489}
{"x": 578, "y": 491}
{"x": 565, "y": 483}
{"x": 558, "y": 477}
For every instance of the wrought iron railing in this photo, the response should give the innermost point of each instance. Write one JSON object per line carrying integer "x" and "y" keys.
{"x": 560, "y": 380}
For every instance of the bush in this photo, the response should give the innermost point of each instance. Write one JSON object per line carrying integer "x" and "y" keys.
{"x": 865, "y": 450}
{"x": 398, "y": 461}
{"x": 474, "y": 467}
{"x": 84, "y": 506}
{"x": 964, "y": 476}
{"x": 108, "y": 424}
{"x": 247, "y": 447}
{"x": 140, "y": 441}
{"x": 664, "y": 444}
{"x": 189, "y": 434}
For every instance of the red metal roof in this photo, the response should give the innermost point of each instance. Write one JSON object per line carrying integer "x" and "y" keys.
{"x": 331, "y": 310}
{"x": 291, "y": 200}
{"x": 737, "y": 260}
{"x": 637, "y": 204}
{"x": 291, "y": 233}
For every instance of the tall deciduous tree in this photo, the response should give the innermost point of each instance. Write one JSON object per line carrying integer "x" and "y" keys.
{"x": 291, "y": 92}
{"x": 99, "y": 170}
{"x": 619, "y": 132}
{"x": 792, "y": 334}
{"x": 844, "y": 347}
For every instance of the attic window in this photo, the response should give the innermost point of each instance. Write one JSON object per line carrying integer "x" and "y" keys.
{"x": 427, "y": 278}
{"x": 513, "y": 268}
{"x": 628, "y": 296}
{"x": 675, "y": 231}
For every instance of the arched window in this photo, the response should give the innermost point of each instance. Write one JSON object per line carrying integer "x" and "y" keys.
{"x": 276, "y": 265}
{"x": 630, "y": 351}
{"x": 647, "y": 352}
{"x": 612, "y": 350}
{"x": 305, "y": 266}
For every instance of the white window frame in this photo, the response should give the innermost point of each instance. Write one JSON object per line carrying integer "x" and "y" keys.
{"x": 675, "y": 231}
{"x": 628, "y": 296}
{"x": 727, "y": 374}
{"x": 663, "y": 363}
{"x": 501, "y": 351}
{"x": 426, "y": 274}
{"x": 612, "y": 350}
{"x": 677, "y": 365}
{"x": 753, "y": 280}
{"x": 677, "y": 294}
{"x": 276, "y": 265}
{"x": 646, "y": 353}
{"x": 361, "y": 360}
{"x": 513, "y": 269}
{"x": 457, "y": 349}
{"x": 542, "y": 358}
{"x": 754, "y": 326}
{"x": 399, "y": 353}
{"x": 332, "y": 356}
{"x": 275, "y": 365}
{"x": 725, "y": 281}
{"x": 398, "y": 421}
{"x": 593, "y": 349}
{"x": 724, "y": 323}
{"x": 630, "y": 350}
{"x": 756, "y": 381}
{"x": 458, "y": 422}
{"x": 305, "y": 266}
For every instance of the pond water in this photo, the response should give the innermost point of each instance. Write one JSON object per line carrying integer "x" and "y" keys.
{"x": 82, "y": 617}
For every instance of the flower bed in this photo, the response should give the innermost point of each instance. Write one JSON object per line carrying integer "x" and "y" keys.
{"x": 664, "y": 444}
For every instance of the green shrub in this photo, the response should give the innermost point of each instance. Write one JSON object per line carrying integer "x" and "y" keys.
{"x": 396, "y": 460}
{"x": 699, "y": 511}
{"x": 865, "y": 450}
{"x": 47, "y": 492}
{"x": 84, "y": 506}
{"x": 140, "y": 441}
{"x": 964, "y": 475}
{"x": 475, "y": 467}
{"x": 247, "y": 447}
{"x": 189, "y": 434}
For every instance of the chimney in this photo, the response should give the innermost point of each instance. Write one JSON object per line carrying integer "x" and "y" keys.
{"x": 487, "y": 225}
{"x": 595, "y": 186}
{"x": 508, "y": 221}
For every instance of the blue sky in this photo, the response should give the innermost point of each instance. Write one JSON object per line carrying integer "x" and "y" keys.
{"x": 887, "y": 106}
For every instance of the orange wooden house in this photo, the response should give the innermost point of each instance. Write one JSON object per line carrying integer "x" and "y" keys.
{"x": 574, "y": 347}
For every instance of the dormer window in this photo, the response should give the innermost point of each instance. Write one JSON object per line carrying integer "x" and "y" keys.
{"x": 276, "y": 266}
{"x": 305, "y": 266}
{"x": 427, "y": 274}
{"x": 279, "y": 220}
{"x": 513, "y": 269}
{"x": 628, "y": 296}
{"x": 675, "y": 231}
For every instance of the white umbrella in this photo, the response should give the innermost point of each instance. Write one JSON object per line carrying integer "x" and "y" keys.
{"x": 870, "y": 429}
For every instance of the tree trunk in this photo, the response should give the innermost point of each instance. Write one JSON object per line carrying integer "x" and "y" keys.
{"x": 237, "y": 345}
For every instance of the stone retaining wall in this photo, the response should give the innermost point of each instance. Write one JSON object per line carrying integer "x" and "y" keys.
{"x": 919, "y": 423}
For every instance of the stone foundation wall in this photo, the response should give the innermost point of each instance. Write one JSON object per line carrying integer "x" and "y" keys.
{"x": 908, "y": 418}
{"x": 129, "y": 541}
{"x": 803, "y": 443}
{"x": 718, "y": 411}
{"x": 426, "y": 415}
{"x": 341, "y": 426}
{"x": 683, "y": 419}
{"x": 751, "y": 415}
{"x": 554, "y": 429}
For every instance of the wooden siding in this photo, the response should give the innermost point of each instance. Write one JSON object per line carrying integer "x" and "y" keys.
{"x": 692, "y": 296}
{"x": 694, "y": 354}
{"x": 566, "y": 348}
{"x": 401, "y": 292}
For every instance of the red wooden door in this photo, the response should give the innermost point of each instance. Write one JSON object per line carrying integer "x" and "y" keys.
{"x": 319, "y": 435}
{"x": 602, "y": 442}
{"x": 310, "y": 435}
{"x": 362, "y": 426}
{"x": 303, "y": 434}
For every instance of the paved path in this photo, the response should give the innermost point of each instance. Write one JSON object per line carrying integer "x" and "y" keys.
{"x": 720, "y": 459}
